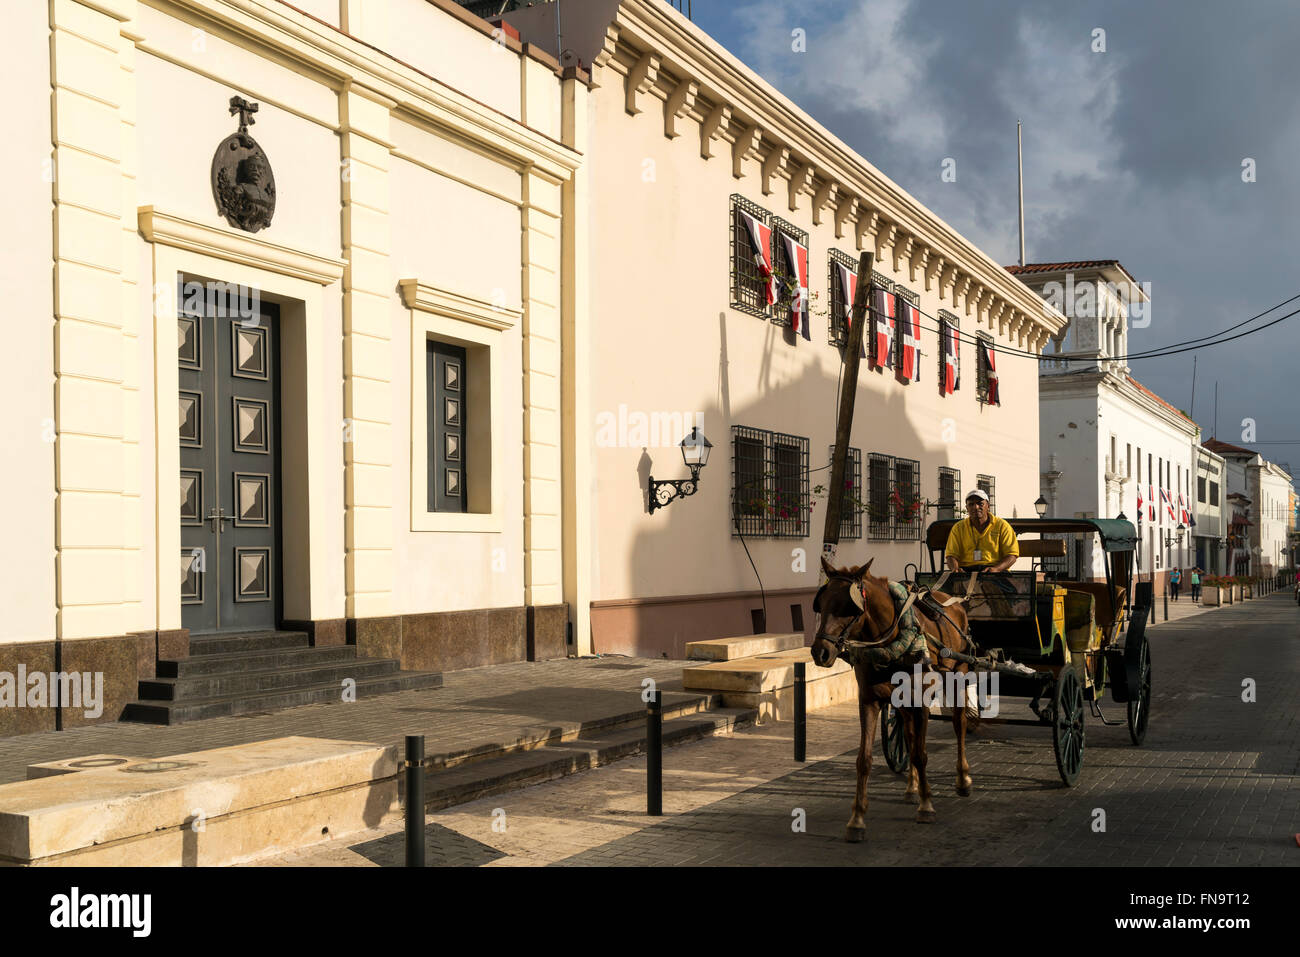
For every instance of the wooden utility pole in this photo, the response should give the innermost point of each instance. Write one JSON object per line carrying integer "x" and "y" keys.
{"x": 844, "y": 426}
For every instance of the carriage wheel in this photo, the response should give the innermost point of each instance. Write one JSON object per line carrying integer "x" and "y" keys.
{"x": 1067, "y": 726}
{"x": 1139, "y": 707}
{"x": 893, "y": 740}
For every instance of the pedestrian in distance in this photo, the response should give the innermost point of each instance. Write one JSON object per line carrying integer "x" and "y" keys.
{"x": 1175, "y": 580}
{"x": 1196, "y": 585}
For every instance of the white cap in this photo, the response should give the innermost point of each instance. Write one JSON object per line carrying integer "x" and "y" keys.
{"x": 976, "y": 493}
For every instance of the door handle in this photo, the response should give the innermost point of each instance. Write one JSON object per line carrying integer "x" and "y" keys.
{"x": 218, "y": 515}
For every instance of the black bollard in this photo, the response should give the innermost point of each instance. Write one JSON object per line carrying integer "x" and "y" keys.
{"x": 1166, "y": 597}
{"x": 654, "y": 765}
{"x": 414, "y": 800}
{"x": 800, "y": 712}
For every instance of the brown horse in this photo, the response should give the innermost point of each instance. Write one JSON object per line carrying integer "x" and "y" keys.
{"x": 843, "y": 620}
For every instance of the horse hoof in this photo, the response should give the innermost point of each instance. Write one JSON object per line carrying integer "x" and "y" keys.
{"x": 963, "y": 791}
{"x": 925, "y": 817}
{"x": 912, "y": 797}
{"x": 855, "y": 835}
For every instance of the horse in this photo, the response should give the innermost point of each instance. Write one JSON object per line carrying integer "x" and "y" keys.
{"x": 843, "y": 619}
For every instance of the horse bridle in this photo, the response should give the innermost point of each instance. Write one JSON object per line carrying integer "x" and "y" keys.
{"x": 858, "y": 591}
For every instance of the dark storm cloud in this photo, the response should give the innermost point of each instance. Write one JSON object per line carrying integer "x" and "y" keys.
{"x": 1135, "y": 153}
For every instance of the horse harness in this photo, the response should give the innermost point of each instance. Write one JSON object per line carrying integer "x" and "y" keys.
{"x": 858, "y": 592}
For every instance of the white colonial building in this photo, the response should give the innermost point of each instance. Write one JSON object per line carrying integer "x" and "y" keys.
{"x": 1108, "y": 442}
{"x": 1211, "y": 512}
{"x": 1261, "y": 494}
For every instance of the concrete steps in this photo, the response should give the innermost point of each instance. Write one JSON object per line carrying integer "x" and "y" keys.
{"x": 744, "y": 646}
{"x": 471, "y": 780}
{"x": 765, "y": 683}
{"x": 263, "y": 671}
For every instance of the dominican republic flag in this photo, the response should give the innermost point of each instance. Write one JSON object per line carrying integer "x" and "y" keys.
{"x": 798, "y": 256}
{"x": 1151, "y": 502}
{"x": 1183, "y": 515}
{"x": 1167, "y": 502}
{"x": 995, "y": 397}
{"x": 882, "y": 326}
{"x": 910, "y": 320}
{"x": 761, "y": 236}
{"x": 950, "y": 343}
{"x": 849, "y": 285}
{"x": 1139, "y": 491}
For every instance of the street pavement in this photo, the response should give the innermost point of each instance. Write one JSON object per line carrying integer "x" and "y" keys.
{"x": 1215, "y": 784}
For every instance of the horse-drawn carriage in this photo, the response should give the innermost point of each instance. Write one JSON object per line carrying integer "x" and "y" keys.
{"x": 1055, "y": 641}
{"x": 1075, "y": 638}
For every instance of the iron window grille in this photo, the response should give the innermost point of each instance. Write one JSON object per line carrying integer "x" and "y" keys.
{"x": 838, "y": 327}
{"x": 880, "y": 470}
{"x": 878, "y": 281}
{"x": 851, "y": 505}
{"x": 769, "y": 493}
{"x": 949, "y": 493}
{"x": 785, "y": 270}
{"x": 747, "y": 283}
{"x": 989, "y": 484}
{"x": 915, "y": 299}
{"x": 948, "y": 322}
{"x": 908, "y": 509}
{"x": 982, "y": 366}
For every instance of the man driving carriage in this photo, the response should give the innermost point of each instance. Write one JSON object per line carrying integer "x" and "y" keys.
{"x": 983, "y": 542}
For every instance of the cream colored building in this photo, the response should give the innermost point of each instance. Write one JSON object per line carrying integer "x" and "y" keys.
{"x": 428, "y": 173}
{"x": 683, "y": 138}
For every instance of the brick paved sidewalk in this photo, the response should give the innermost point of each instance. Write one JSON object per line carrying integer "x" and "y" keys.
{"x": 477, "y": 708}
{"x": 1215, "y": 784}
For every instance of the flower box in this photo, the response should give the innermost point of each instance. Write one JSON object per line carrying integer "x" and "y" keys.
{"x": 1211, "y": 596}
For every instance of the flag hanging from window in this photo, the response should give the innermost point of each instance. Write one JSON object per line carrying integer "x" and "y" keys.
{"x": 1167, "y": 502}
{"x": 949, "y": 357}
{"x": 760, "y": 235}
{"x": 1151, "y": 501}
{"x": 849, "y": 285}
{"x": 910, "y": 320}
{"x": 1184, "y": 516}
{"x": 882, "y": 327}
{"x": 1139, "y": 513}
{"x": 797, "y": 253}
{"x": 995, "y": 395}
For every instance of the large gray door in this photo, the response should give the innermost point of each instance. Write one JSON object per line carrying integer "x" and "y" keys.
{"x": 230, "y": 461}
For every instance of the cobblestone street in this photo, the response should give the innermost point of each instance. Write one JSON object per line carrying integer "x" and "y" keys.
{"x": 1215, "y": 784}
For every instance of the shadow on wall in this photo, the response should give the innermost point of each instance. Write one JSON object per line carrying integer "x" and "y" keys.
{"x": 805, "y": 406}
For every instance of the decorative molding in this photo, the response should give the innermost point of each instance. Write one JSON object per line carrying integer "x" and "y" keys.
{"x": 823, "y": 197}
{"x": 418, "y": 295}
{"x": 747, "y": 141}
{"x": 799, "y": 180}
{"x": 679, "y": 104}
{"x": 713, "y": 126}
{"x": 640, "y": 78}
{"x": 170, "y": 230}
{"x": 775, "y": 164}
{"x": 845, "y": 213}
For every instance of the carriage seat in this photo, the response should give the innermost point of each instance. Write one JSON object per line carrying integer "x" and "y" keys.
{"x": 1103, "y": 612}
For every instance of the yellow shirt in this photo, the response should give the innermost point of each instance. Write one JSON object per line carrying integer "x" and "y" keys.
{"x": 995, "y": 543}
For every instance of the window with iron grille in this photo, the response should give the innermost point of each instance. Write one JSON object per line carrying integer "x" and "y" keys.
{"x": 880, "y": 470}
{"x": 852, "y": 504}
{"x": 949, "y": 492}
{"x": 915, "y": 299}
{"x": 878, "y": 281}
{"x": 948, "y": 322}
{"x": 905, "y": 499}
{"x": 989, "y": 484}
{"x": 769, "y": 490}
{"x": 747, "y": 283}
{"x": 838, "y": 327}
{"x": 786, "y": 272}
{"x": 1214, "y": 493}
{"x": 982, "y": 366}
{"x": 1200, "y": 489}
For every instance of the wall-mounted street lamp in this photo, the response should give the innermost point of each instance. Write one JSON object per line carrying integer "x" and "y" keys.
{"x": 1177, "y": 537}
{"x": 1040, "y": 506}
{"x": 695, "y": 453}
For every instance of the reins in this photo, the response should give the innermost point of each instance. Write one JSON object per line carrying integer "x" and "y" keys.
{"x": 913, "y": 592}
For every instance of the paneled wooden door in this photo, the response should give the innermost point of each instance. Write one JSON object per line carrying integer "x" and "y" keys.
{"x": 230, "y": 459}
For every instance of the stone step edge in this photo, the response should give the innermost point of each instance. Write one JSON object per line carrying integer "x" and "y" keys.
{"x": 769, "y": 677}
{"x": 698, "y": 702}
{"x": 523, "y": 769}
{"x": 313, "y": 671}
{"x": 719, "y": 649}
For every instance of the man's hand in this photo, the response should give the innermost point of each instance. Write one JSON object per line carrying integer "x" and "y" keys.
{"x": 955, "y": 566}
{"x": 1004, "y": 564}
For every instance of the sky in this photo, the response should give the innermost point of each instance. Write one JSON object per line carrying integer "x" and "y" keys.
{"x": 1136, "y": 147}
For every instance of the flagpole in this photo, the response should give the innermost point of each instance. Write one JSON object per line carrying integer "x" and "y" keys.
{"x": 1020, "y": 167}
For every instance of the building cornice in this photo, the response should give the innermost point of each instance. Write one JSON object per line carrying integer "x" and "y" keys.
{"x": 730, "y": 100}
{"x": 423, "y": 296}
{"x": 170, "y": 230}
{"x": 311, "y": 46}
